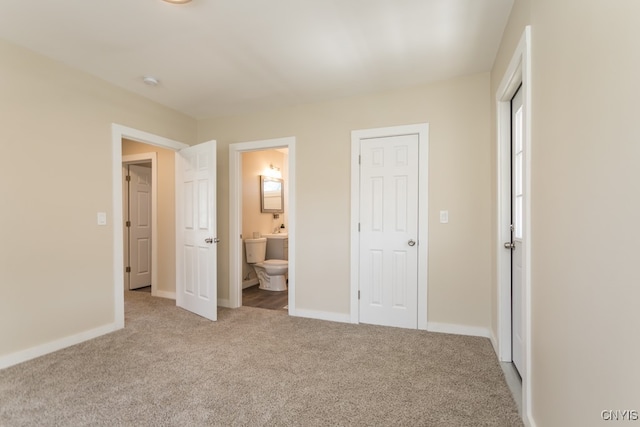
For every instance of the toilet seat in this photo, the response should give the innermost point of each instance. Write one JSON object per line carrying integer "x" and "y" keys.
{"x": 276, "y": 262}
{"x": 274, "y": 266}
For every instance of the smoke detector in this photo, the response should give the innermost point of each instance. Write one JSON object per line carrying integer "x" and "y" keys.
{"x": 150, "y": 80}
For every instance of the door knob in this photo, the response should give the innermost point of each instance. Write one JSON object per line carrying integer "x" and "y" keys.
{"x": 216, "y": 240}
{"x": 510, "y": 245}
{"x": 411, "y": 242}
{"x": 208, "y": 240}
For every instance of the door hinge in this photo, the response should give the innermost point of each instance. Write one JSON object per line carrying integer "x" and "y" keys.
{"x": 358, "y": 294}
{"x": 359, "y": 159}
{"x": 128, "y": 269}
{"x": 128, "y": 223}
{"x": 358, "y": 227}
{"x": 128, "y": 178}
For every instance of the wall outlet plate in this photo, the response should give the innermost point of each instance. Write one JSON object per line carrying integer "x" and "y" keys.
{"x": 102, "y": 218}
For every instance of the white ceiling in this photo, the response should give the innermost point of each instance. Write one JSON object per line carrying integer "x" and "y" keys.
{"x": 222, "y": 57}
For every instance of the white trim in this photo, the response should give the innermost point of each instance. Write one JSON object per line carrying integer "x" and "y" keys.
{"x": 235, "y": 215}
{"x": 153, "y": 158}
{"x": 450, "y": 328}
{"x": 146, "y": 137}
{"x": 324, "y": 315}
{"x": 165, "y": 294}
{"x": 118, "y": 132}
{"x": 224, "y": 302}
{"x": 40, "y": 350}
{"x": 494, "y": 342}
{"x": 518, "y": 72}
{"x": 422, "y": 130}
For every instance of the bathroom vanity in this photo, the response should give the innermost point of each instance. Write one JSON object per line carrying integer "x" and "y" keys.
{"x": 277, "y": 246}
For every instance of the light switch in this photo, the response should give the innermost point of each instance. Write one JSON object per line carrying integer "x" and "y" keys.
{"x": 444, "y": 217}
{"x": 102, "y": 218}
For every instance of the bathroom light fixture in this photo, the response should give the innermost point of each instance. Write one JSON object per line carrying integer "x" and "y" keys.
{"x": 150, "y": 80}
{"x": 272, "y": 171}
{"x": 177, "y": 1}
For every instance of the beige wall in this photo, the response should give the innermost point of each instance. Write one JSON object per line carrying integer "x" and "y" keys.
{"x": 585, "y": 175}
{"x": 56, "y": 264}
{"x": 166, "y": 243}
{"x": 586, "y": 199}
{"x": 459, "y": 180}
{"x": 254, "y": 164}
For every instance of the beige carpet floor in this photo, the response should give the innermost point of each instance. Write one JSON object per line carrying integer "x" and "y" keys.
{"x": 256, "y": 367}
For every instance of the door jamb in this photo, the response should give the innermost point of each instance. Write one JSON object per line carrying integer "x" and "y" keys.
{"x": 518, "y": 72}
{"x": 118, "y": 132}
{"x": 133, "y": 159}
{"x": 422, "y": 130}
{"x": 235, "y": 223}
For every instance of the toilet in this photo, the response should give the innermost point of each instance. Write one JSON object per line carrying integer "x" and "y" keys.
{"x": 271, "y": 272}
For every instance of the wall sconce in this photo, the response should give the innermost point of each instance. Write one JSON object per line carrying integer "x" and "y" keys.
{"x": 272, "y": 171}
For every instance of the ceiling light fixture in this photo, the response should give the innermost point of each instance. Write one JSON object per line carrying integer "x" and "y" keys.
{"x": 177, "y": 1}
{"x": 150, "y": 80}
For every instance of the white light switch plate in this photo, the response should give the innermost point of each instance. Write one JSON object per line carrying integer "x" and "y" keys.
{"x": 102, "y": 218}
{"x": 444, "y": 217}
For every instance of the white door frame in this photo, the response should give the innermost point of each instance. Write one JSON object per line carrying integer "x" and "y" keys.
{"x": 518, "y": 72}
{"x": 235, "y": 216}
{"x": 118, "y": 132}
{"x": 134, "y": 159}
{"x": 422, "y": 130}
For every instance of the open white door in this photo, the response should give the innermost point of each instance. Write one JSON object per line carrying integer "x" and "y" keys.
{"x": 139, "y": 226}
{"x": 517, "y": 231}
{"x": 196, "y": 270}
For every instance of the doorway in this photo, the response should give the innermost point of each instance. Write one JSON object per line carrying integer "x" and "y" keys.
{"x": 265, "y": 200}
{"x": 238, "y": 273}
{"x": 513, "y": 243}
{"x": 192, "y": 180}
{"x": 389, "y": 220}
{"x": 516, "y": 228}
{"x": 139, "y": 214}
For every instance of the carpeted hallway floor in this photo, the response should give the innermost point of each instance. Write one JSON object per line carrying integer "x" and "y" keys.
{"x": 256, "y": 367}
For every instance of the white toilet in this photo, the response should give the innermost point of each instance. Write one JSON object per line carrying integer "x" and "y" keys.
{"x": 272, "y": 272}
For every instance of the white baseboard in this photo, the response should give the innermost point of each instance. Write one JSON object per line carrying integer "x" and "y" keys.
{"x": 165, "y": 294}
{"x": 248, "y": 283}
{"x": 224, "y": 303}
{"x": 50, "y": 347}
{"x": 449, "y": 328}
{"x": 494, "y": 343}
{"x": 323, "y": 315}
{"x": 528, "y": 421}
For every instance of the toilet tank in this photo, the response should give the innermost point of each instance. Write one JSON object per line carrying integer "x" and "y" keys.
{"x": 255, "y": 249}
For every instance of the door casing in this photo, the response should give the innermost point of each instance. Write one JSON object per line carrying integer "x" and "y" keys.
{"x": 133, "y": 159}
{"x": 235, "y": 217}
{"x": 118, "y": 133}
{"x": 422, "y": 130}
{"x": 518, "y": 73}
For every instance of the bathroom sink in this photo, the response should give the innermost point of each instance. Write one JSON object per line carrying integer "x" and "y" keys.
{"x": 276, "y": 236}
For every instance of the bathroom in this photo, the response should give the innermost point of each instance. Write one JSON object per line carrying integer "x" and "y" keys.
{"x": 257, "y": 169}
